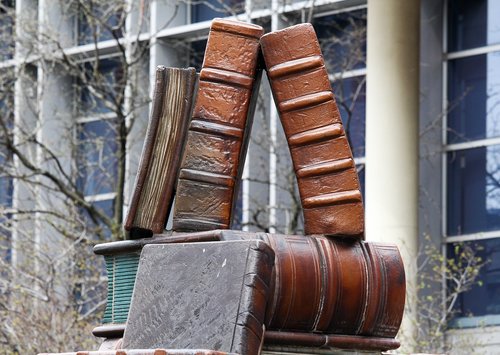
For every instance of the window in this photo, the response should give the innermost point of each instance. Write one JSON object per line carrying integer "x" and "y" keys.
{"x": 97, "y": 134}
{"x": 97, "y": 146}
{"x": 197, "y": 53}
{"x": 481, "y": 305}
{"x": 205, "y": 10}
{"x": 98, "y": 91}
{"x": 6, "y": 183}
{"x": 472, "y": 151}
{"x": 99, "y": 21}
{"x": 7, "y": 8}
{"x": 342, "y": 38}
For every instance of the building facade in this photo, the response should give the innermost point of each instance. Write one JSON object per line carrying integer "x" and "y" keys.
{"x": 418, "y": 87}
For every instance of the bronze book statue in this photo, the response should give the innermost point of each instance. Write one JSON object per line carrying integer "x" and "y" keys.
{"x": 218, "y": 134}
{"x": 327, "y": 289}
{"x": 154, "y": 185}
{"x": 323, "y": 162}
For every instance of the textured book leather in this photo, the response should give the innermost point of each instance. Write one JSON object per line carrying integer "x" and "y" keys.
{"x": 322, "y": 290}
{"x": 154, "y": 184}
{"x": 322, "y": 159}
{"x": 218, "y": 135}
{"x": 201, "y": 296}
{"x": 325, "y": 285}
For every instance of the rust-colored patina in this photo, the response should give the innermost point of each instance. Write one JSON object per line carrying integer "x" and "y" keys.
{"x": 218, "y": 134}
{"x": 323, "y": 162}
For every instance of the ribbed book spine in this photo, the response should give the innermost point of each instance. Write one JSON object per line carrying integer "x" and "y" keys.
{"x": 154, "y": 184}
{"x": 322, "y": 159}
{"x": 218, "y": 133}
{"x": 331, "y": 286}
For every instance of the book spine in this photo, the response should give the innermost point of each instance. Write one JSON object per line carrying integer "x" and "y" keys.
{"x": 147, "y": 149}
{"x": 330, "y": 286}
{"x": 214, "y": 155}
{"x": 384, "y": 312}
{"x": 324, "y": 166}
{"x": 154, "y": 187}
{"x": 254, "y": 298}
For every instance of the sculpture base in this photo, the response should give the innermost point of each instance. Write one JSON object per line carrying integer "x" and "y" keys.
{"x": 293, "y": 342}
{"x": 146, "y": 352}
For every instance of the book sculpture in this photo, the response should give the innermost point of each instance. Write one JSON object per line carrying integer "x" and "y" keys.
{"x": 207, "y": 289}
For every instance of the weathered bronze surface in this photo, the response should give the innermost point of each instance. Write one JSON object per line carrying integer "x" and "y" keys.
{"x": 325, "y": 285}
{"x": 322, "y": 159}
{"x": 156, "y": 177}
{"x": 201, "y": 295}
{"x": 218, "y": 135}
{"x": 319, "y": 284}
{"x": 146, "y": 352}
{"x": 327, "y": 289}
{"x": 278, "y": 340}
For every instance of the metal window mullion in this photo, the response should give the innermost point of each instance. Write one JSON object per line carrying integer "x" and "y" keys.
{"x": 341, "y": 10}
{"x": 194, "y": 29}
{"x": 444, "y": 127}
{"x": 444, "y": 166}
{"x": 360, "y": 160}
{"x": 348, "y": 74}
{"x": 472, "y": 52}
{"x": 472, "y": 144}
{"x": 100, "y": 197}
{"x": 472, "y": 237}
{"x": 97, "y": 117}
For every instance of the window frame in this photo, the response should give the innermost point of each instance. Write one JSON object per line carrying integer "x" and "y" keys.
{"x": 83, "y": 117}
{"x": 460, "y": 322}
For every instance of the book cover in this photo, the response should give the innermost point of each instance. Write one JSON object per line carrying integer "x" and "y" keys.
{"x": 157, "y": 173}
{"x": 324, "y": 166}
{"x": 218, "y": 134}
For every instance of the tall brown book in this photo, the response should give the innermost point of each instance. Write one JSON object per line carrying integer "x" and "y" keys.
{"x": 218, "y": 135}
{"x": 154, "y": 184}
{"x": 322, "y": 159}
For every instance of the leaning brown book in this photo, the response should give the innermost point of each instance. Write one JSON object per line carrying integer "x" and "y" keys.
{"x": 322, "y": 159}
{"x": 154, "y": 184}
{"x": 218, "y": 133}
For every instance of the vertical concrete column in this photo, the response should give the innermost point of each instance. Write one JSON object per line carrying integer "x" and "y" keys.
{"x": 392, "y": 112}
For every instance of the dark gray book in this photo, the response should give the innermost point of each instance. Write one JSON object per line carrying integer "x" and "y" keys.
{"x": 201, "y": 296}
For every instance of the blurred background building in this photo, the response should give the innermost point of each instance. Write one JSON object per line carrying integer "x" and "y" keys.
{"x": 418, "y": 87}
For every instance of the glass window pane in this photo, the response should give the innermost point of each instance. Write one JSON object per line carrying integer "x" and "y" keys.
{"x": 97, "y": 157}
{"x": 361, "y": 169}
{"x": 100, "y": 21}
{"x": 205, "y": 10}
{"x": 197, "y": 53}
{"x": 7, "y": 117}
{"x": 7, "y": 15}
{"x": 474, "y": 98}
{"x": 472, "y": 23}
{"x": 6, "y": 188}
{"x": 343, "y": 40}
{"x": 350, "y": 97}
{"x": 473, "y": 189}
{"x": 106, "y": 206}
{"x": 106, "y": 83}
{"x": 475, "y": 267}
